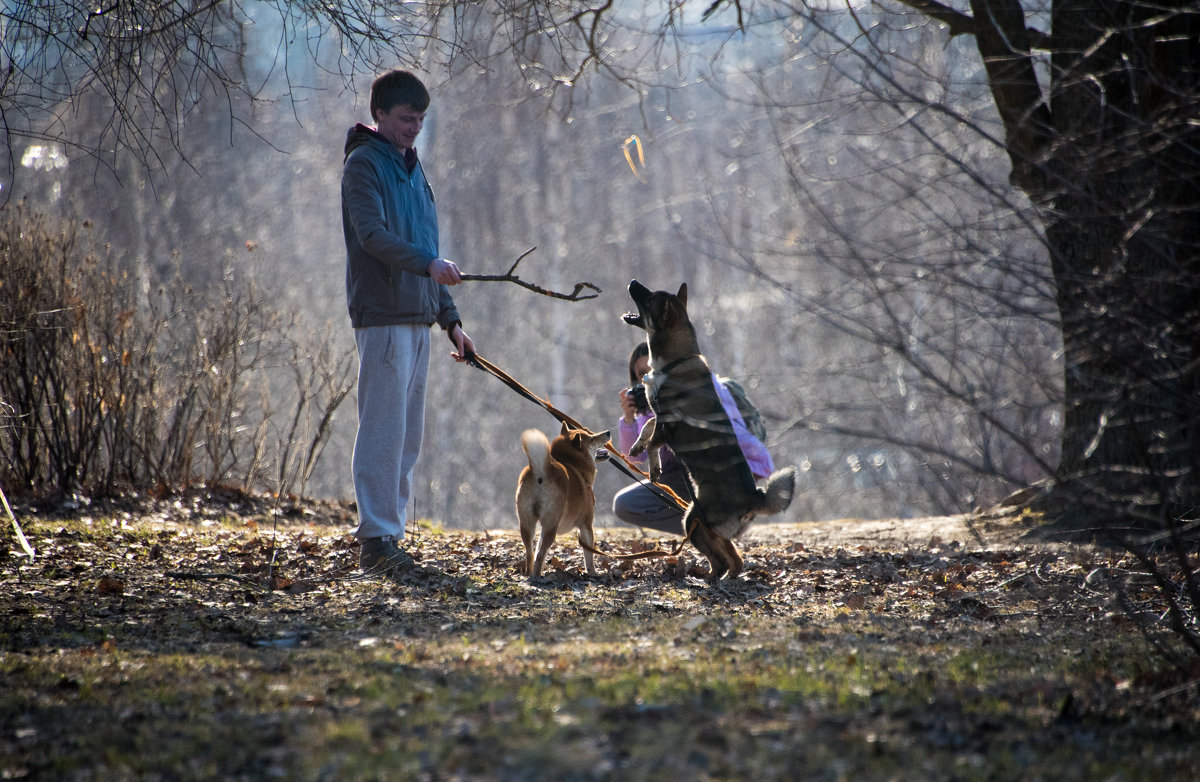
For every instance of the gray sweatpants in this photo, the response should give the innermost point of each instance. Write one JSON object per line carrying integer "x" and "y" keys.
{"x": 393, "y": 367}
{"x": 640, "y": 505}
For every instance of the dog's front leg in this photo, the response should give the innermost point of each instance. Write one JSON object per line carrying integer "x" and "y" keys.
{"x": 643, "y": 439}
{"x": 654, "y": 463}
{"x": 650, "y": 442}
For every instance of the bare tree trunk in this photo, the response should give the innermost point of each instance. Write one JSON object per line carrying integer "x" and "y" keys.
{"x": 1122, "y": 226}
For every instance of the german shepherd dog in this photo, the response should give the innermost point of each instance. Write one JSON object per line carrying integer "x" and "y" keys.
{"x": 689, "y": 418}
{"x": 556, "y": 489}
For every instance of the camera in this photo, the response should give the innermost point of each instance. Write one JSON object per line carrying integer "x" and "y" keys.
{"x": 638, "y": 395}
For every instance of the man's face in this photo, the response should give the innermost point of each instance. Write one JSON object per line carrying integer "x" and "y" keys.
{"x": 401, "y": 125}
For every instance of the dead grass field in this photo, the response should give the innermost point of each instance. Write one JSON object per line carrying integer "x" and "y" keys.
{"x": 220, "y": 638}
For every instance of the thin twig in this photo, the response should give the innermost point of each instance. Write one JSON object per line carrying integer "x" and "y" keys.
{"x": 186, "y": 576}
{"x": 510, "y": 276}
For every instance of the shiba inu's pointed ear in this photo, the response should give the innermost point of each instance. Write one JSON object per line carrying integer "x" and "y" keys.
{"x": 682, "y": 293}
{"x": 564, "y": 429}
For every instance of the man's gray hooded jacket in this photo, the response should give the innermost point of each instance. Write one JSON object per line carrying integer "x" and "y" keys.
{"x": 390, "y": 221}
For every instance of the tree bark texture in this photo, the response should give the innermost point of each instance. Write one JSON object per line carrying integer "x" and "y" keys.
{"x": 1111, "y": 156}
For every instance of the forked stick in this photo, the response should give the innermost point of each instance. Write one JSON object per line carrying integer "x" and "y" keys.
{"x": 510, "y": 276}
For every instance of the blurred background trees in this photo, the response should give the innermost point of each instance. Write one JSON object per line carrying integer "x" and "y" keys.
{"x": 949, "y": 252}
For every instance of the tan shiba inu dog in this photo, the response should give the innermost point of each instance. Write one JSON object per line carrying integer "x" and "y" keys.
{"x": 556, "y": 489}
{"x": 689, "y": 418}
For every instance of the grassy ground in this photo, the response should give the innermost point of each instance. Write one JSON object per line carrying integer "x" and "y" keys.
{"x": 209, "y": 641}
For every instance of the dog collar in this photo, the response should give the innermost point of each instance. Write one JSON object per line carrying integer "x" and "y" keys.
{"x": 676, "y": 363}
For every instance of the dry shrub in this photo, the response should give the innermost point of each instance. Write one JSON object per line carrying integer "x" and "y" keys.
{"x": 113, "y": 381}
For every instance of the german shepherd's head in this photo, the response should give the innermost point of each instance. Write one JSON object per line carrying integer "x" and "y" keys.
{"x": 664, "y": 318}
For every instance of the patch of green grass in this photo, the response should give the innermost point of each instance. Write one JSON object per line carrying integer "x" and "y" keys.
{"x": 725, "y": 711}
{"x": 423, "y": 527}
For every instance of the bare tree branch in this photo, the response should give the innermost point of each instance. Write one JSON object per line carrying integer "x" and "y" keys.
{"x": 1003, "y": 43}
{"x": 510, "y": 276}
{"x": 716, "y": 6}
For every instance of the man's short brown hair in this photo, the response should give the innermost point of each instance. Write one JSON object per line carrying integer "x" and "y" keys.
{"x": 394, "y": 88}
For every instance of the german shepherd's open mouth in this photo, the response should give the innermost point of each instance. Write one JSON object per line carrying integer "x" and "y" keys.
{"x": 644, "y": 298}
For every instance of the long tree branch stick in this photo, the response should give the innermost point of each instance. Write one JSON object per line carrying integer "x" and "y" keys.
{"x": 510, "y": 276}
{"x": 17, "y": 527}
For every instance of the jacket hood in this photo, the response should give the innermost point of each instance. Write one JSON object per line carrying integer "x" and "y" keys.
{"x": 362, "y": 134}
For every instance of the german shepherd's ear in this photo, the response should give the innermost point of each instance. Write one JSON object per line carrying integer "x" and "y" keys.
{"x": 682, "y": 293}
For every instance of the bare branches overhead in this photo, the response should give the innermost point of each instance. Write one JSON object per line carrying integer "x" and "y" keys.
{"x": 154, "y": 64}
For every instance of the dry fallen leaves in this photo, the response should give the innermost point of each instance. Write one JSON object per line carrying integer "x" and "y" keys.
{"x": 197, "y": 578}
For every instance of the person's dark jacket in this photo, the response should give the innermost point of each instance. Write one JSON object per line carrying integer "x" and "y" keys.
{"x": 390, "y": 221}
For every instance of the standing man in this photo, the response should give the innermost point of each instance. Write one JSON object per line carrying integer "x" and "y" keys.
{"x": 396, "y": 289}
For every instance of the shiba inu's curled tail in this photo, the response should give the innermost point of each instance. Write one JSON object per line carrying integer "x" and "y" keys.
{"x": 537, "y": 450}
{"x": 780, "y": 488}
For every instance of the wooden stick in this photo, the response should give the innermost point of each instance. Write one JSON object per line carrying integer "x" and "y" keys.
{"x": 510, "y": 276}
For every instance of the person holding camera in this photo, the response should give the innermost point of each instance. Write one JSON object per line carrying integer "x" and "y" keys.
{"x": 635, "y": 409}
{"x": 642, "y": 505}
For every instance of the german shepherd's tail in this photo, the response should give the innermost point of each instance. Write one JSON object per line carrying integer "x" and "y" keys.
{"x": 778, "y": 493}
{"x": 537, "y": 450}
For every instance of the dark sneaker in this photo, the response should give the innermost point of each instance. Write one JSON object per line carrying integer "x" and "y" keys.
{"x": 382, "y": 557}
